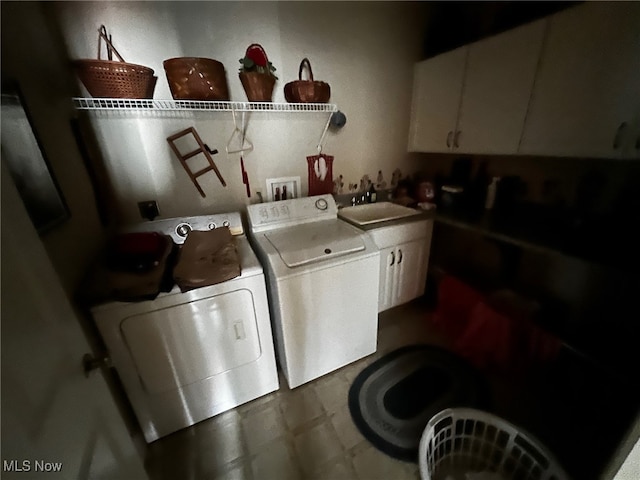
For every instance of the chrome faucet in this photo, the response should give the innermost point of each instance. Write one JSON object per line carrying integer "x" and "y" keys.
{"x": 358, "y": 199}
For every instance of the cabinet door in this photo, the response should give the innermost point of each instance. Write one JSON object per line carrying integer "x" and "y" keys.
{"x": 497, "y": 87}
{"x": 587, "y": 89}
{"x": 387, "y": 269}
{"x": 437, "y": 87}
{"x": 411, "y": 265}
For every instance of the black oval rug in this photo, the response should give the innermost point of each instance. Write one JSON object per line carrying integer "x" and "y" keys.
{"x": 392, "y": 400}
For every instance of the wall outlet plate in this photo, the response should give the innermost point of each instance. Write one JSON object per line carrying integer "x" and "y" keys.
{"x": 292, "y": 184}
{"x": 148, "y": 209}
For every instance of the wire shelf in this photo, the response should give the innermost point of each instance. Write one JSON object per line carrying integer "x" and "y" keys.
{"x": 104, "y": 104}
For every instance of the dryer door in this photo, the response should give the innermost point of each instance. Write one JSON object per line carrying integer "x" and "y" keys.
{"x": 184, "y": 344}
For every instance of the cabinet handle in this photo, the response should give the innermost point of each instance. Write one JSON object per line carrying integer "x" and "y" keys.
{"x": 449, "y": 138}
{"x": 616, "y": 138}
{"x": 455, "y": 139}
{"x": 393, "y": 258}
{"x": 400, "y": 254}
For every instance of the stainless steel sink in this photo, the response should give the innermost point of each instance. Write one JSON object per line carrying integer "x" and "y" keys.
{"x": 375, "y": 213}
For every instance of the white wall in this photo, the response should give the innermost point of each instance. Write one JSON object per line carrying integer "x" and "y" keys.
{"x": 364, "y": 50}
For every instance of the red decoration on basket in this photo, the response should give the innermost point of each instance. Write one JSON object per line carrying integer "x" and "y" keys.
{"x": 256, "y": 53}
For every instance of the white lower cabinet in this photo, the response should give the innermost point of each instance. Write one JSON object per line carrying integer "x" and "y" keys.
{"x": 403, "y": 273}
{"x": 403, "y": 267}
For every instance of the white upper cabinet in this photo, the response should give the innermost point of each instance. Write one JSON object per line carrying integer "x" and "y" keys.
{"x": 586, "y": 98}
{"x": 437, "y": 87}
{"x": 474, "y": 99}
{"x": 498, "y": 83}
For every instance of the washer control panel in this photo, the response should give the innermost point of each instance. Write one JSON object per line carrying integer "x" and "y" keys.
{"x": 321, "y": 204}
{"x": 265, "y": 216}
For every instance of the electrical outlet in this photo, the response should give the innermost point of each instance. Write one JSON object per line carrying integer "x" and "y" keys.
{"x": 292, "y": 184}
{"x": 148, "y": 209}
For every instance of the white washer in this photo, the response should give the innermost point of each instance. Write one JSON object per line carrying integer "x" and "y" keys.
{"x": 323, "y": 284}
{"x": 185, "y": 357}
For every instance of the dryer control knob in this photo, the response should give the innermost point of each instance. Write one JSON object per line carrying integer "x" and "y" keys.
{"x": 225, "y": 223}
{"x": 321, "y": 204}
{"x": 212, "y": 226}
{"x": 183, "y": 229}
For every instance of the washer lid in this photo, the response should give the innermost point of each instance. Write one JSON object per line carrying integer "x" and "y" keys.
{"x": 315, "y": 241}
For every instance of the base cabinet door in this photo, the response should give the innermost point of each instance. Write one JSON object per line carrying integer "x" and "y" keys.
{"x": 403, "y": 273}
{"x": 412, "y": 271}
{"x": 387, "y": 270}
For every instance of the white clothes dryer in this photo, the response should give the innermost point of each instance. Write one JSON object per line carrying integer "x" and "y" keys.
{"x": 323, "y": 285}
{"x": 185, "y": 357}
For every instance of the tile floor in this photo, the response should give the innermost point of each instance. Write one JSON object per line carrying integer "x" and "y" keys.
{"x": 293, "y": 434}
{"x": 307, "y": 433}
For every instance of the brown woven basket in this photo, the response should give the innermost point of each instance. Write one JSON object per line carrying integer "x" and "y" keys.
{"x": 114, "y": 79}
{"x": 258, "y": 86}
{"x": 193, "y": 78}
{"x": 307, "y": 91}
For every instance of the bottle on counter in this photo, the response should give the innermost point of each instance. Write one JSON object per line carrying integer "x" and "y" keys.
{"x": 372, "y": 194}
{"x": 284, "y": 192}
{"x": 491, "y": 193}
{"x": 277, "y": 194}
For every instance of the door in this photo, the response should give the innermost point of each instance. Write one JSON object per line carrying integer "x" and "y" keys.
{"x": 411, "y": 271}
{"x": 437, "y": 87}
{"x": 387, "y": 269}
{"x": 55, "y": 422}
{"x": 498, "y": 83}
{"x": 587, "y": 92}
{"x": 213, "y": 335}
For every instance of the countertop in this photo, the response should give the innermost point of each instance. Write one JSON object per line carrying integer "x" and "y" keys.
{"x": 423, "y": 215}
{"x": 607, "y": 241}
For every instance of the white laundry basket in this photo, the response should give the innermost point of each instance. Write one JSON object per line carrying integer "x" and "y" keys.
{"x": 469, "y": 444}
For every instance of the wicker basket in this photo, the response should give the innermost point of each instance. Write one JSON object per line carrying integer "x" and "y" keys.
{"x": 114, "y": 79}
{"x": 258, "y": 86}
{"x": 307, "y": 91}
{"x": 194, "y": 78}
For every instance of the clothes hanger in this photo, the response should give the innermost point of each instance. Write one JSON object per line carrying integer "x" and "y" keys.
{"x": 239, "y": 132}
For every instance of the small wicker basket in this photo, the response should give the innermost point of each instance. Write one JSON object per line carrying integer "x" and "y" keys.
{"x": 258, "y": 86}
{"x": 114, "y": 79}
{"x": 307, "y": 91}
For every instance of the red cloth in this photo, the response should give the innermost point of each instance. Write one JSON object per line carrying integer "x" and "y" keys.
{"x": 456, "y": 301}
{"x": 490, "y": 339}
{"x": 542, "y": 346}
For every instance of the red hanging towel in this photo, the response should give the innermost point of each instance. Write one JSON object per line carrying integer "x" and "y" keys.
{"x": 320, "y": 174}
